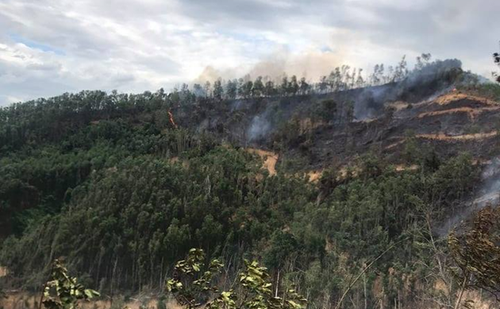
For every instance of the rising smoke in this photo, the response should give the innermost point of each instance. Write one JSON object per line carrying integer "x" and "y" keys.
{"x": 430, "y": 81}
{"x": 310, "y": 64}
{"x": 259, "y": 128}
{"x": 488, "y": 194}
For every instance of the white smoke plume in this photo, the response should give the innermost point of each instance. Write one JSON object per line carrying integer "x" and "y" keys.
{"x": 489, "y": 194}
{"x": 259, "y": 128}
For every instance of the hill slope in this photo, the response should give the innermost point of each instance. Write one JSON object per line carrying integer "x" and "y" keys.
{"x": 123, "y": 185}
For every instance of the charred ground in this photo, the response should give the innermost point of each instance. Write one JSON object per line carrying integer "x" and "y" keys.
{"x": 437, "y": 109}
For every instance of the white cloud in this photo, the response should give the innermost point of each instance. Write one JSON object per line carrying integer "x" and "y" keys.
{"x": 48, "y": 47}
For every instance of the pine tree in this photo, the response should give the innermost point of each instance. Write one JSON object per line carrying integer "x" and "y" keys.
{"x": 258, "y": 87}
{"x": 218, "y": 91}
{"x": 496, "y": 59}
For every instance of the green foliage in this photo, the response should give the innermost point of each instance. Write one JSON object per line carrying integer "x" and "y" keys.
{"x": 455, "y": 178}
{"x": 328, "y": 110}
{"x": 420, "y": 154}
{"x": 489, "y": 90}
{"x": 144, "y": 212}
{"x": 258, "y": 292}
{"x": 108, "y": 181}
{"x": 282, "y": 248}
{"x": 254, "y": 290}
{"x": 63, "y": 291}
{"x": 191, "y": 280}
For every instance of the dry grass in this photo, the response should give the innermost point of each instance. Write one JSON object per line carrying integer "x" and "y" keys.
{"x": 465, "y": 137}
{"x": 456, "y": 96}
{"x": 314, "y": 176}
{"x": 270, "y": 158}
{"x": 404, "y": 167}
{"x": 24, "y": 300}
{"x": 307, "y": 125}
{"x": 3, "y": 271}
{"x": 20, "y": 300}
{"x": 396, "y": 144}
{"x": 472, "y": 112}
{"x": 399, "y": 105}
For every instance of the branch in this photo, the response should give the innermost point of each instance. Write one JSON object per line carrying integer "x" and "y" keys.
{"x": 462, "y": 289}
{"x": 351, "y": 284}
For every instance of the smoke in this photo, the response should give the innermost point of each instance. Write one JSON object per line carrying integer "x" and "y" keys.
{"x": 309, "y": 64}
{"x": 370, "y": 102}
{"x": 259, "y": 128}
{"x": 488, "y": 194}
{"x": 427, "y": 83}
{"x": 211, "y": 74}
{"x": 237, "y": 105}
{"x": 429, "y": 72}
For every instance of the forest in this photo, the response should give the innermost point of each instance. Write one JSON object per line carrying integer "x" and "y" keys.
{"x": 122, "y": 186}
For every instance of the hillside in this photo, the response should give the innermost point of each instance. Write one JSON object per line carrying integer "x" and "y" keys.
{"x": 314, "y": 184}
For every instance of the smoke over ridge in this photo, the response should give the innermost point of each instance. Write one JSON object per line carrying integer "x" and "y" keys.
{"x": 309, "y": 64}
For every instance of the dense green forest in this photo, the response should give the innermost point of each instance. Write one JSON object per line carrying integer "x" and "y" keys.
{"x": 122, "y": 190}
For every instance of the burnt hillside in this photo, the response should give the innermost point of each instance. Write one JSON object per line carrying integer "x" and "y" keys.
{"x": 435, "y": 109}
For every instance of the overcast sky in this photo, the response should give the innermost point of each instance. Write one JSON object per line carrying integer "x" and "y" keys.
{"x": 51, "y": 47}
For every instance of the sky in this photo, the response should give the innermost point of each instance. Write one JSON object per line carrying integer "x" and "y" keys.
{"x": 49, "y": 47}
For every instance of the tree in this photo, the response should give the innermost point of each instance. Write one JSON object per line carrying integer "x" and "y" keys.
{"x": 240, "y": 86}
{"x": 193, "y": 287}
{"x": 496, "y": 59}
{"x": 303, "y": 86}
{"x": 188, "y": 290}
{"x": 198, "y": 90}
{"x": 63, "y": 291}
{"x": 374, "y": 76}
{"x": 218, "y": 91}
{"x": 389, "y": 113}
{"x": 476, "y": 254}
{"x": 284, "y": 86}
{"x": 401, "y": 71}
{"x": 360, "y": 82}
{"x": 207, "y": 88}
{"x": 258, "y": 87}
{"x": 352, "y": 82}
{"x": 245, "y": 86}
{"x": 349, "y": 111}
{"x": 334, "y": 79}
{"x": 328, "y": 110}
{"x": 269, "y": 89}
{"x": 345, "y": 77}
{"x": 377, "y": 77}
{"x": 293, "y": 86}
{"x": 232, "y": 89}
{"x": 323, "y": 84}
{"x": 422, "y": 61}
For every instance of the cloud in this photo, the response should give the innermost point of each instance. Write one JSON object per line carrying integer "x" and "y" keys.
{"x": 50, "y": 47}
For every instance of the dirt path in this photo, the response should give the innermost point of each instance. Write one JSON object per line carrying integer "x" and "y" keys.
{"x": 464, "y": 137}
{"x": 270, "y": 158}
{"x": 24, "y": 300}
